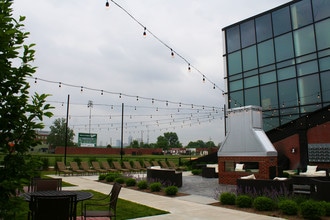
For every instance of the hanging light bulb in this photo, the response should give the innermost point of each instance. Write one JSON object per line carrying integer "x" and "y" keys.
{"x": 145, "y": 32}
{"x": 101, "y": 92}
{"x": 172, "y": 53}
{"x": 81, "y": 88}
{"x": 318, "y": 95}
{"x": 107, "y": 5}
{"x": 214, "y": 86}
{"x": 189, "y": 69}
{"x": 119, "y": 95}
{"x": 203, "y": 79}
{"x": 60, "y": 84}
{"x": 35, "y": 80}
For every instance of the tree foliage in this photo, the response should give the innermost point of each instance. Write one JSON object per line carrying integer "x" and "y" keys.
{"x": 169, "y": 140}
{"x": 20, "y": 114}
{"x": 200, "y": 144}
{"x": 58, "y": 133}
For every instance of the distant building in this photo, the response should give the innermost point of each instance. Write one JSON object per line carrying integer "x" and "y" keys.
{"x": 42, "y": 136}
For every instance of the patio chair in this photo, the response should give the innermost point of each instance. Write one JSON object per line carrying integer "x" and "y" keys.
{"x": 86, "y": 168}
{"x": 118, "y": 167}
{"x": 53, "y": 207}
{"x": 106, "y": 166}
{"x": 146, "y": 164}
{"x": 137, "y": 165}
{"x": 163, "y": 164}
{"x": 61, "y": 168}
{"x": 97, "y": 167}
{"x": 111, "y": 203}
{"x": 173, "y": 166}
{"x": 155, "y": 163}
{"x": 128, "y": 166}
{"x": 75, "y": 168}
{"x": 50, "y": 184}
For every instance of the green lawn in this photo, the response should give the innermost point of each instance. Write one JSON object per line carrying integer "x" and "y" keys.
{"x": 125, "y": 209}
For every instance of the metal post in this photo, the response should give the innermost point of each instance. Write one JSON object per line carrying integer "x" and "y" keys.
{"x": 122, "y": 132}
{"x": 66, "y": 128}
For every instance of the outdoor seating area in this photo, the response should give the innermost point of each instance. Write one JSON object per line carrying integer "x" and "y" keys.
{"x": 165, "y": 176}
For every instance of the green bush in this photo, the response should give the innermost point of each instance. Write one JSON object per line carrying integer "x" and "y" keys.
{"x": 77, "y": 159}
{"x": 155, "y": 187}
{"x": 111, "y": 177}
{"x": 45, "y": 163}
{"x": 327, "y": 208}
{"x": 171, "y": 190}
{"x": 102, "y": 176}
{"x": 130, "y": 182}
{"x": 244, "y": 201}
{"x": 228, "y": 198}
{"x": 312, "y": 210}
{"x": 120, "y": 180}
{"x": 263, "y": 203}
{"x": 288, "y": 207}
{"x": 143, "y": 184}
{"x": 196, "y": 171}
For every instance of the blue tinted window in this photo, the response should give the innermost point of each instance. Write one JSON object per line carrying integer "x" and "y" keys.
{"x": 321, "y": 9}
{"x": 284, "y": 47}
{"x": 269, "y": 96}
{"x": 286, "y": 73}
{"x": 324, "y": 64}
{"x": 309, "y": 88}
{"x": 248, "y": 33}
{"x": 252, "y": 96}
{"x": 304, "y": 41}
{"x": 307, "y": 68}
{"x": 325, "y": 79}
{"x": 288, "y": 93}
{"x": 251, "y": 81}
{"x": 281, "y": 21}
{"x": 264, "y": 27}
{"x": 249, "y": 58}
{"x": 234, "y": 63}
{"x": 322, "y": 30}
{"x": 268, "y": 77}
{"x": 301, "y": 13}
{"x": 266, "y": 53}
{"x": 236, "y": 85}
{"x": 233, "y": 39}
{"x": 236, "y": 99}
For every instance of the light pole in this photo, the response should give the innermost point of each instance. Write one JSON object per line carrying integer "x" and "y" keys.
{"x": 90, "y": 106}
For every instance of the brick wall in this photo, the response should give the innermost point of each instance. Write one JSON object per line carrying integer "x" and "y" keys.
{"x": 230, "y": 177}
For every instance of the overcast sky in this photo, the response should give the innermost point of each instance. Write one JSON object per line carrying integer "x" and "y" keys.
{"x": 80, "y": 43}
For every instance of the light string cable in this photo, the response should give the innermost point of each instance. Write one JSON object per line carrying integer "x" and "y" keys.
{"x": 120, "y": 95}
{"x": 190, "y": 66}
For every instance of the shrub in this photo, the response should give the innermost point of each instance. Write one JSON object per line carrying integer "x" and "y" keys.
{"x": 77, "y": 159}
{"x": 130, "y": 182}
{"x": 171, "y": 190}
{"x": 155, "y": 187}
{"x": 143, "y": 184}
{"x": 312, "y": 210}
{"x": 120, "y": 180}
{"x": 196, "y": 171}
{"x": 327, "y": 208}
{"x": 111, "y": 177}
{"x": 263, "y": 203}
{"x": 102, "y": 176}
{"x": 45, "y": 163}
{"x": 228, "y": 198}
{"x": 244, "y": 201}
{"x": 288, "y": 207}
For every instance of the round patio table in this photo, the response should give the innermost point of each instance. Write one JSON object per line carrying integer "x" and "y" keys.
{"x": 81, "y": 195}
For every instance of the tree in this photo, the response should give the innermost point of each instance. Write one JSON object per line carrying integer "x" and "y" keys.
{"x": 169, "y": 140}
{"x": 20, "y": 114}
{"x": 58, "y": 132}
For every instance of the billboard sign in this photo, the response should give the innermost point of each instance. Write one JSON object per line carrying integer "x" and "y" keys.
{"x": 87, "y": 140}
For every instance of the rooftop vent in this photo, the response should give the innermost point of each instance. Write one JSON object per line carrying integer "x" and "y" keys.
{"x": 245, "y": 136}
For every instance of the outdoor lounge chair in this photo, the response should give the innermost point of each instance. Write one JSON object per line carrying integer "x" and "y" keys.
{"x": 106, "y": 166}
{"x": 163, "y": 164}
{"x": 173, "y": 166}
{"x": 128, "y": 166}
{"x": 138, "y": 166}
{"x": 49, "y": 184}
{"x": 61, "y": 168}
{"x": 118, "y": 167}
{"x": 53, "y": 207}
{"x": 111, "y": 202}
{"x": 86, "y": 168}
{"x": 146, "y": 164}
{"x": 75, "y": 168}
{"x": 97, "y": 167}
{"x": 155, "y": 163}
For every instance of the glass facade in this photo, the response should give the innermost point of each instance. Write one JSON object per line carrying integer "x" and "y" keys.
{"x": 280, "y": 60}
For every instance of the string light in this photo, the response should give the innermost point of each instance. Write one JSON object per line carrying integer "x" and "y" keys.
{"x": 145, "y": 32}
{"x": 172, "y": 53}
{"x": 107, "y": 5}
{"x": 189, "y": 68}
{"x": 60, "y": 84}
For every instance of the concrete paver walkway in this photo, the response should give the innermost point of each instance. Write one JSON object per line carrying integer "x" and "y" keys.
{"x": 184, "y": 207}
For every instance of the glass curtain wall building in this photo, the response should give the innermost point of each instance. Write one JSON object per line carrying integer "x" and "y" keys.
{"x": 280, "y": 60}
